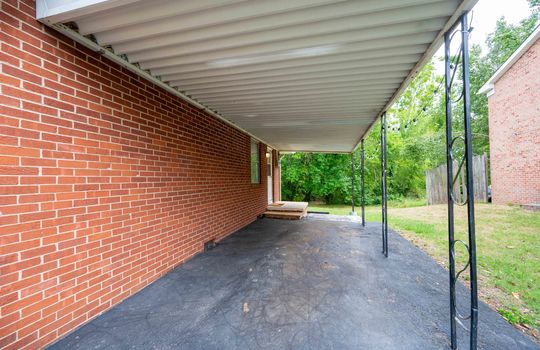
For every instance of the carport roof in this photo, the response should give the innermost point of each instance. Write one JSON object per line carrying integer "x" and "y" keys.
{"x": 299, "y": 75}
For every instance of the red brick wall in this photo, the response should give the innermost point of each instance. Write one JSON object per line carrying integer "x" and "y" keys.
{"x": 106, "y": 182}
{"x": 514, "y": 132}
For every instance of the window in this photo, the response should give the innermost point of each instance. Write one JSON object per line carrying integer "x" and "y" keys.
{"x": 255, "y": 168}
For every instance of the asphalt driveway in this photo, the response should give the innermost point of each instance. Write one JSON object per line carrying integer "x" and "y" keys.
{"x": 310, "y": 284}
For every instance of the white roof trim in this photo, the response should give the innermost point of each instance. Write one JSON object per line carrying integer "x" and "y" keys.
{"x": 489, "y": 86}
{"x": 53, "y": 11}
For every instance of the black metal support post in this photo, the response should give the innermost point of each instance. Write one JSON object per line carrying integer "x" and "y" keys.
{"x": 449, "y": 176}
{"x": 470, "y": 180}
{"x": 362, "y": 183}
{"x": 384, "y": 203}
{"x": 352, "y": 184}
{"x": 452, "y": 65}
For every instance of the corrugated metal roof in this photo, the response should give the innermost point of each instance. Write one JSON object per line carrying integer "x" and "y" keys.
{"x": 303, "y": 75}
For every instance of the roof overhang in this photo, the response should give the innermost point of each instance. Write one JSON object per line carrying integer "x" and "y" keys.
{"x": 299, "y": 75}
{"x": 489, "y": 87}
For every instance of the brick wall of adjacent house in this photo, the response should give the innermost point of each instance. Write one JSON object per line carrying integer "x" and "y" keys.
{"x": 514, "y": 132}
{"x": 106, "y": 182}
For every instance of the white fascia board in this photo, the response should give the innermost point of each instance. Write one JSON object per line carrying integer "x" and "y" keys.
{"x": 489, "y": 86}
{"x": 57, "y": 11}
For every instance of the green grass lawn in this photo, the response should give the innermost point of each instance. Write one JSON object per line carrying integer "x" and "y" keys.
{"x": 508, "y": 250}
{"x": 373, "y": 213}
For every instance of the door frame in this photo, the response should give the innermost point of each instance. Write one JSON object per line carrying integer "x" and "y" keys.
{"x": 269, "y": 175}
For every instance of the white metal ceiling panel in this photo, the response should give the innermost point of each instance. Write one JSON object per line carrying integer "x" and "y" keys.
{"x": 302, "y": 75}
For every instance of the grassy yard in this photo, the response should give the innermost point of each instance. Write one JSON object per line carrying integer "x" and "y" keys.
{"x": 508, "y": 250}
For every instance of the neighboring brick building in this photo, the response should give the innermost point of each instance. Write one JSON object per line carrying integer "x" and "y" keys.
{"x": 514, "y": 125}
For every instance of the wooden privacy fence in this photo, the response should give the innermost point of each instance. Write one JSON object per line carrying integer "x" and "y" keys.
{"x": 436, "y": 182}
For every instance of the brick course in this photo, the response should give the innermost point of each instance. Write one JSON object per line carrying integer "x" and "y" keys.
{"x": 514, "y": 132}
{"x": 107, "y": 182}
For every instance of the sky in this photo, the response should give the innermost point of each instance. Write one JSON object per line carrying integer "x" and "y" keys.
{"x": 487, "y": 12}
{"x": 485, "y": 15}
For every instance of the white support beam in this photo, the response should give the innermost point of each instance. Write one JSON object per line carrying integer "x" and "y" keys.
{"x": 272, "y": 51}
{"x": 298, "y": 106}
{"x": 401, "y": 63}
{"x": 289, "y": 106}
{"x": 350, "y": 92}
{"x": 282, "y": 80}
{"x": 325, "y": 79}
{"x": 277, "y": 98}
{"x": 361, "y": 50}
{"x": 323, "y": 87}
{"x": 340, "y": 61}
{"x": 306, "y": 114}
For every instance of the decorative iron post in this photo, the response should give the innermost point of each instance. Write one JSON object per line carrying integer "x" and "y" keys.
{"x": 384, "y": 203}
{"x": 362, "y": 183}
{"x": 352, "y": 184}
{"x": 449, "y": 176}
{"x": 451, "y": 68}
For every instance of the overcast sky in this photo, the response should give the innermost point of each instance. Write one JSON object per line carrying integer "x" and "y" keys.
{"x": 485, "y": 15}
{"x": 487, "y": 12}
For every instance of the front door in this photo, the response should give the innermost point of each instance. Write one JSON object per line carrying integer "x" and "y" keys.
{"x": 270, "y": 183}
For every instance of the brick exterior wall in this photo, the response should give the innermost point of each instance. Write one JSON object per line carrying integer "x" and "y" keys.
{"x": 107, "y": 182}
{"x": 514, "y": 132}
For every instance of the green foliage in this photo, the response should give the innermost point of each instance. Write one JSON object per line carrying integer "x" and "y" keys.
{"x": 415, "y": 144}
{"x": 312, "y": 176}
{"x": 514, "y": 317}
{"x": 507, "y": 38}
{"x": 415, "y": 134}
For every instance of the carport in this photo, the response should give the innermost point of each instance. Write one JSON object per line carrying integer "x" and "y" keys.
{"x": 296, "y": 76}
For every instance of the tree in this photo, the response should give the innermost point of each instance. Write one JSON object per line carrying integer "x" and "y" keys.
{"x": 315, "y": 176}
